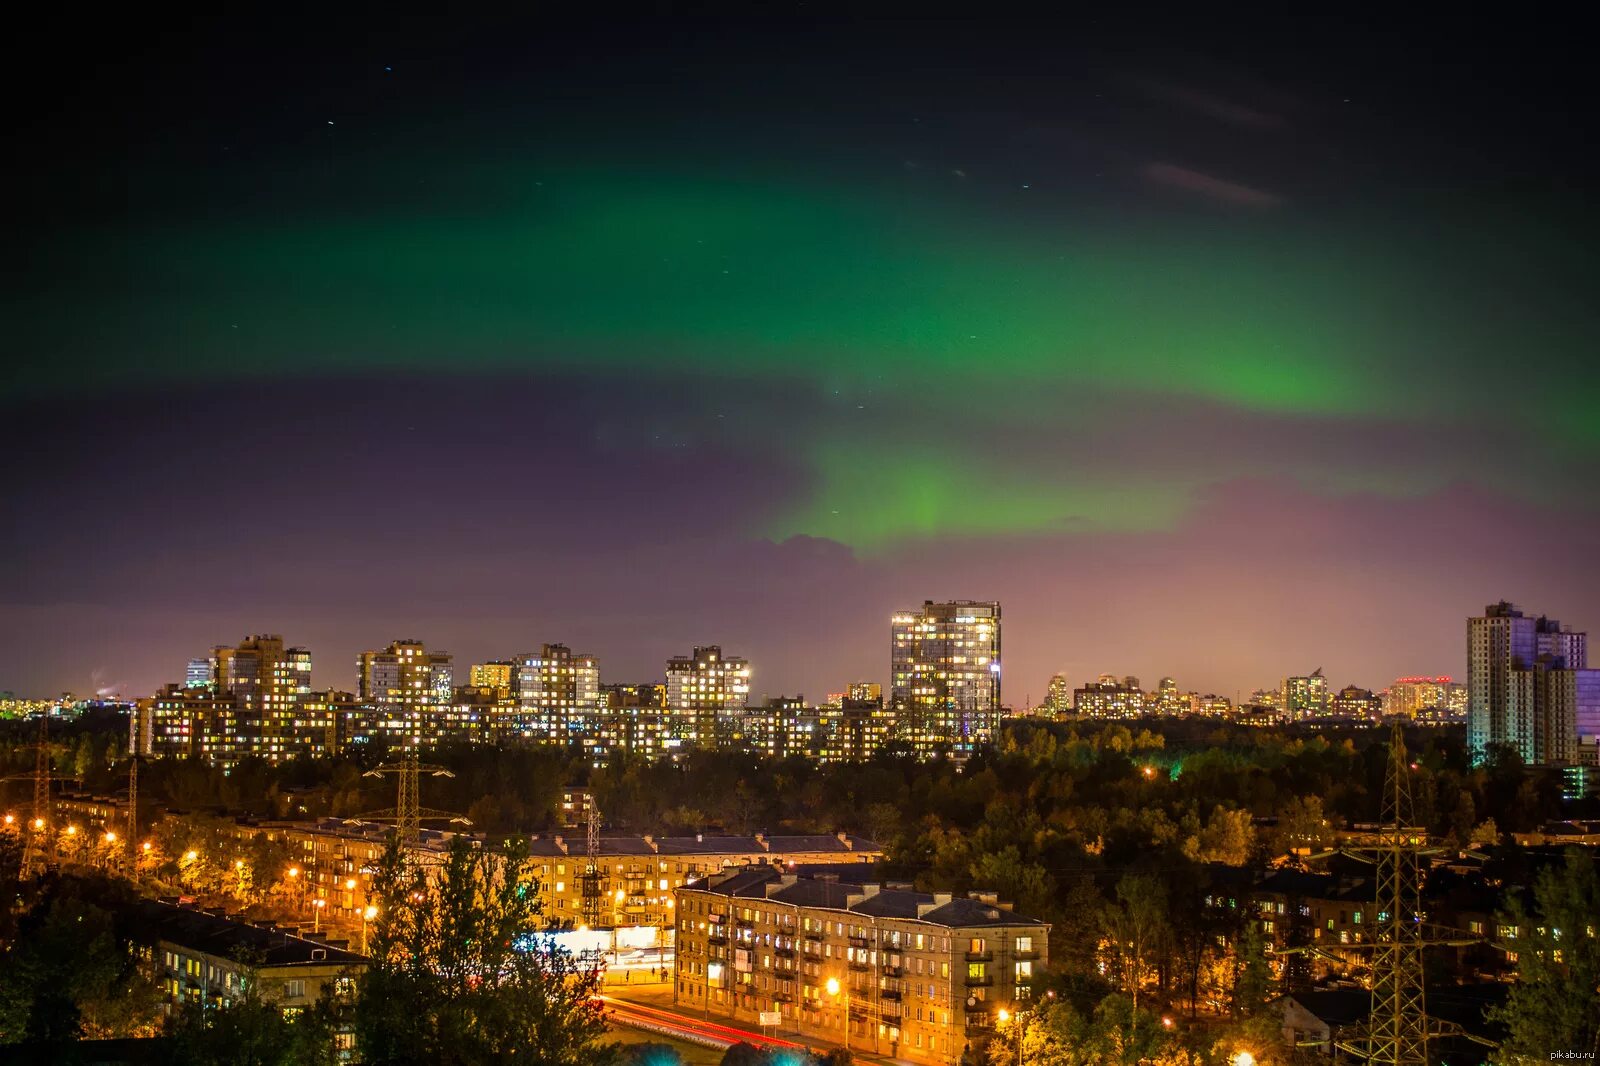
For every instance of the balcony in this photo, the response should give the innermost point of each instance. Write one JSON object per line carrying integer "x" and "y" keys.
{"x": 717, "y": 936}
{"x": 980, "y": 956}
{"x": 859, "y": 942}
{"x": 860, "y": 964}
{"x": 984, "y": 981}
{"x": 783, "y": 953}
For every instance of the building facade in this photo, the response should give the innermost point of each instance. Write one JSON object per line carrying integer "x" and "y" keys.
{"x": 908, "y": 975}
{"x": 706, "y": 694}
{"x": 265, "y": 680}
{"x": 404, "y": 688}
{"x": 557, "y": 694}
{"x": 944, "y": 670}
{"x": 1529, "y": 687}
{"x": 1306, "y": 697}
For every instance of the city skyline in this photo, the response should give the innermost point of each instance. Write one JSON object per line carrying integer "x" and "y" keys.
{"x": 465, "y": 667}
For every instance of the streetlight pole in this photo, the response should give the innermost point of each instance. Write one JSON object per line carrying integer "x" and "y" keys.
{"x": 833, "y": 986}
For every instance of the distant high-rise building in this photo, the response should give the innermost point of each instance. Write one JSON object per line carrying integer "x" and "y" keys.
{"x": 557, "y": 693}
{"x": 1355, "y": 702}
{"x": 945, "y": 674}
{"x": 499, "y": 674}
{"x": 1110, "y": 697}
{"x": 864, "y": 690}
{"x": 1528, "y": 686}
{"x": 176, "y": 721}
{"x": 266, "y": 681}
{"x": 1411, "y": 697}
{"x": 1306, "y": 697}
{"x": 198, "y": 674}
{"x": 635, "y": 718}
{"x": 406, "y": 687}
{"x": 706, "y": 693}
{"x": 1058, "y": 696}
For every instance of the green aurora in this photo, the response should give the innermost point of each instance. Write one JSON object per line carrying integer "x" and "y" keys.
{"x": 973, "y": 312}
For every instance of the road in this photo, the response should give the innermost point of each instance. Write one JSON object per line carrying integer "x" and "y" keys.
{"x": 686, "y": 1027}
{"x": 706, "y": 1033}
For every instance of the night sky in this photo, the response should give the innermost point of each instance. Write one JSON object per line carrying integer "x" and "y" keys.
{"x": 1215, "y": 351}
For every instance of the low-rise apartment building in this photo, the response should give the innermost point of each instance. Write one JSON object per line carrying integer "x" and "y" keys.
{"x": 910, "y": 975}
{"x": 334, "y": 860}
{"x": 203, "y": 957}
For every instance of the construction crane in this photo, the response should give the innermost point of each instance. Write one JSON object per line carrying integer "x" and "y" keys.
{"x": 1397, "y": 1030}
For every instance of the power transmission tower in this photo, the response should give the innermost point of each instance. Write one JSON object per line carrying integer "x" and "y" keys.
{"x": 592, "y": 886}
{"x": 408, "y": 813}
{"x": 39, "y": 827}
{"x": 133, "y": 806}
{"x": 1398, "y": 1030}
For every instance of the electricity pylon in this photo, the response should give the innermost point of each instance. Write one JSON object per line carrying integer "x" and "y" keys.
{"x": 39, "y": 825}
{"x": 408, "y": 813}
{"x": 1398, "y": 1030}
{"x": 37, "y": 829}
{"x": 591, "y": 886}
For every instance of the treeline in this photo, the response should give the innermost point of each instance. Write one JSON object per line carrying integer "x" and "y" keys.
{"x": 1105, "y": 790}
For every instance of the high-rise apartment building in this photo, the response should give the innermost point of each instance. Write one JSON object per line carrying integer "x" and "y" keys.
{"x": 864, "y": 690}
{"x": 1306, "y": 697}
{"x": 1058, "y": 696}
{"x": 498, "y": 674}
{"x": 635, "y": 718}
{"x": 405, "y": 687}
{"x": 944, "y": 673}
{"x": 1352, "y": 701}
{"x": 706, "y": 694}
{"x": 266, "y": 681}
{"x": 1529, "y": 687}
{"x": 1410, "y": 697}
{"x": 198, "y": 674}
{"x": 557, "y": 694}
{"x": 1110, "y": 697}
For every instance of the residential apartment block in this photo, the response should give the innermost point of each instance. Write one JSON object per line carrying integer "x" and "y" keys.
{"x": 909, "y": 975}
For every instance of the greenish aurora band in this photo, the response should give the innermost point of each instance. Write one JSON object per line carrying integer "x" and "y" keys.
{"x": 598, "y": 272}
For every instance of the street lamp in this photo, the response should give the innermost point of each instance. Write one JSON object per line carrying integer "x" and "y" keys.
{"x": 366, "y": 916}
{"x": 833, "y": 987}
{"x": 1004, "y": 1016}
{"x": 316, "y": 924}
{"x": 1243, "y": 1058}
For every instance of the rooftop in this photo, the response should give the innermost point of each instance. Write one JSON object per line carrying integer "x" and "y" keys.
{"x": 227, "y": 938}
{"x": 870, "y": 900}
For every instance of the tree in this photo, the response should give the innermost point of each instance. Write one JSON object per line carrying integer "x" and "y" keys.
{"x": 459, "y": 973}
{"x": 1552, "y": 1004}
{"x": 1139, "y": 937}
{"x": 70, "y": 972}
{"x": 1254, "y": 981}
{"x": 1228, "y": 837}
